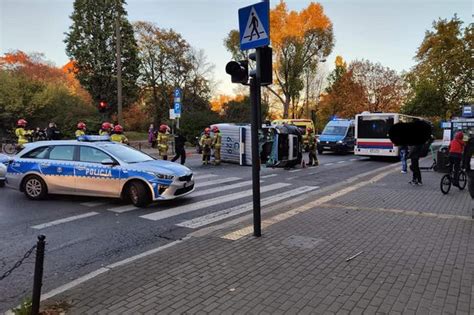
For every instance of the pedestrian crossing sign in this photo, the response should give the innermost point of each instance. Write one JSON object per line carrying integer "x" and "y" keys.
{"x": 254, "y": 26}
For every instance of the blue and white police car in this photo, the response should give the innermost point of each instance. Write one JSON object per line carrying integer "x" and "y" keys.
{"x": 95, "y": 166}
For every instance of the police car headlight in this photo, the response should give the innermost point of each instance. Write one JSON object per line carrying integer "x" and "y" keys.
{"x": 161, "y": 176}
{"x": 340, "y": 142}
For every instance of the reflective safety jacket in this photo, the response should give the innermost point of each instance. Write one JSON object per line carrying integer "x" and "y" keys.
{"x": 217, "y": 142}
{"x": 162, "y": 142}
{"x": 205, "y": 141}
{"x": 119, "y": 138}
{"x": 103, "y": 133}
{"x": 22, "y": 134}
{"x": 80, "y": 132}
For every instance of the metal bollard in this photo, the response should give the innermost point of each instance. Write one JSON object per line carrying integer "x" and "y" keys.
{"x": 38, "y": 277}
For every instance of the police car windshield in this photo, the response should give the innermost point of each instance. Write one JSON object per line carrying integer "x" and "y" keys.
{"x": 126, "y": 154}
{"x": 335, "y": 130}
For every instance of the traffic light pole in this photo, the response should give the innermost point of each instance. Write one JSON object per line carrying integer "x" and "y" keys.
{"x": 255, "y": 104}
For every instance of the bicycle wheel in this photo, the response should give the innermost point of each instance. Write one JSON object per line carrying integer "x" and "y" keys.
{"x": 9, "y": 148}
{"x": 445, "y": 184}
{"x": 462, "y": 180}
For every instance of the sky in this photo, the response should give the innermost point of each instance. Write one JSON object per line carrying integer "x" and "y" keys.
{"x": 385, "y": 31}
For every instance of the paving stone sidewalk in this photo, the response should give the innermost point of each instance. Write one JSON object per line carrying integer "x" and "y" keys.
{"x": 415, "y": 246}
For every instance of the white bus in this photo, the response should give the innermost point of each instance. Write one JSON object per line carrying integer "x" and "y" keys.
{"x": 371, "y": 131}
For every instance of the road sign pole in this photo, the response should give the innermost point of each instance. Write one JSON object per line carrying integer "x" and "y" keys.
{"x": 255, "y": 103}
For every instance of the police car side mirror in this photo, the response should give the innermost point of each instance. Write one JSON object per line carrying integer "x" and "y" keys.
{"x": 109, "y": 162}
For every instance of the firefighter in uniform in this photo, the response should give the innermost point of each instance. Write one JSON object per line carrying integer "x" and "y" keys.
{"x": 81, "y": 129}
{"x": 162, "y": 140}
{"x": 118, "y": 135}
{"x": 217, "y": 144}
{"x": 206, "y": 143}
{"x": 21, "y": 133}
{"x": 105, "y": 129}
{"x": 313, "y": 158}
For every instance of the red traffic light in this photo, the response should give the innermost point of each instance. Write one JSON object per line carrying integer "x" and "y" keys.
{"x": 103, "y": 106}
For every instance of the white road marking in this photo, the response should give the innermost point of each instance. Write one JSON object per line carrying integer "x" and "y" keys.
{"x": 340, "y": 162}
{"x": 64, "y": 220}
{"x": 294, "y": 171}
{"x": 221, "y": 188}
{"x": 205, "y": 176}
{"x": 291, "y": 178}
{"x": 94, "y": 204}
{"x": 207, "y": 203}
{"x": 353, "y": 159}
{"x": 238, "y": 234}
{"x": 224, "y": 214}
{"x": 268, "y": 176}
{"x": 329, "y": 164}
{"x": 123, "y": 209}
{"x": 217, "y": 181}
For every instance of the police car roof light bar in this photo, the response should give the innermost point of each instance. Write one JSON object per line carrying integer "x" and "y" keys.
{"x": 93, "y": 138}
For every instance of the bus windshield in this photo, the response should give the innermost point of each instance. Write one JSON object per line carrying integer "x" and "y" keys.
{"x": 374, "y": 127}
{"x": 335, "y": 130}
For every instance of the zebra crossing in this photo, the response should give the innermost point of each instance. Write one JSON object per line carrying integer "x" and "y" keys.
{"x": 224, "y": 192}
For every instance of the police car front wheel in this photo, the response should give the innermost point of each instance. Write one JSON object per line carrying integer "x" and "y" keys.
{"x": 34, "y": 187}
{"x": 138, "y": 194}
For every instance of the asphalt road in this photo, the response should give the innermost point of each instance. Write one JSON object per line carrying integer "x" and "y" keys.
{"x": 108, "y": 230}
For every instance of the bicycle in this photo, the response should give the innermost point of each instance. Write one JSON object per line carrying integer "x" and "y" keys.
{"x": 447, "y": 181}
{"x": 8, "y": 146}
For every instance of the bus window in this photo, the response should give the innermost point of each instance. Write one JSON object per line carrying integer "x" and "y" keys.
{"x": 374, "y": 127}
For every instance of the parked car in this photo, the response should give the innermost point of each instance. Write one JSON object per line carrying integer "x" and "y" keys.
{"x": 96, "y": 167}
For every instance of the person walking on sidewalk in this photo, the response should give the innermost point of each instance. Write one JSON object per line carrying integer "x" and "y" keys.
{"x": 403, "y": 157}
{"x": 179, "y": 143}
{"x": 414, "y": 155}
{"x": 456, "y": 148}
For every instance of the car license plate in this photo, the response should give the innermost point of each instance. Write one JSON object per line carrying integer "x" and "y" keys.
{"x": 327, "y": 147}
{"x": 374, "y": 151}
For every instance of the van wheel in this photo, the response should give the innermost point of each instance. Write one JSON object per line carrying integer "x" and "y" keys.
{"x": 35, "y": 188}
{"x": 2, "y": 183}
{"x": 138, "y": 194}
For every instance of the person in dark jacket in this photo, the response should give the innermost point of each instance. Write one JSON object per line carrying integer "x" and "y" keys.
{"x": 52, "y": 132}
{"x": 414, "y": 155}
{"x": 466, "y": 165}
{"x": 179, "y": 142}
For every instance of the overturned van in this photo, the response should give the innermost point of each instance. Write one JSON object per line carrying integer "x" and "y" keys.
{"x": 279, "y": 145}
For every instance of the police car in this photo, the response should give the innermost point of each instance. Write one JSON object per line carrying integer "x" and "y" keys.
{"x": 94, "y": 166}
{"x": 3, "y": 169}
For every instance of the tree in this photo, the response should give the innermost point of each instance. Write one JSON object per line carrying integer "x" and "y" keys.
{"x": 345, "y": 98}
{"x": 383, "y": 87}
{"x": 91, "y": 43}
{"x": 442, "y": 78}
{"x": 299, "y": 40}
{"x": 239, "y": 110}
{"x": 33, "y": 88}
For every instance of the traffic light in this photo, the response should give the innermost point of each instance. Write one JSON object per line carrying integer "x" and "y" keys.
{"x": 238, "y": 70}
{"x": 263, "y": 57}
{"x": 102, "y": 106}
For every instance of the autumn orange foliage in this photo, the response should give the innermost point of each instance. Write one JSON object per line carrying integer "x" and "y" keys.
{"x": 34, "y": 67}
{"x": 291, "y": 24}
{"x": 218, "y": 102}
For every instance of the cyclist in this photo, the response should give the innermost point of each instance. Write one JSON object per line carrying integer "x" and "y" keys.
{"x": 456, "y": 148}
